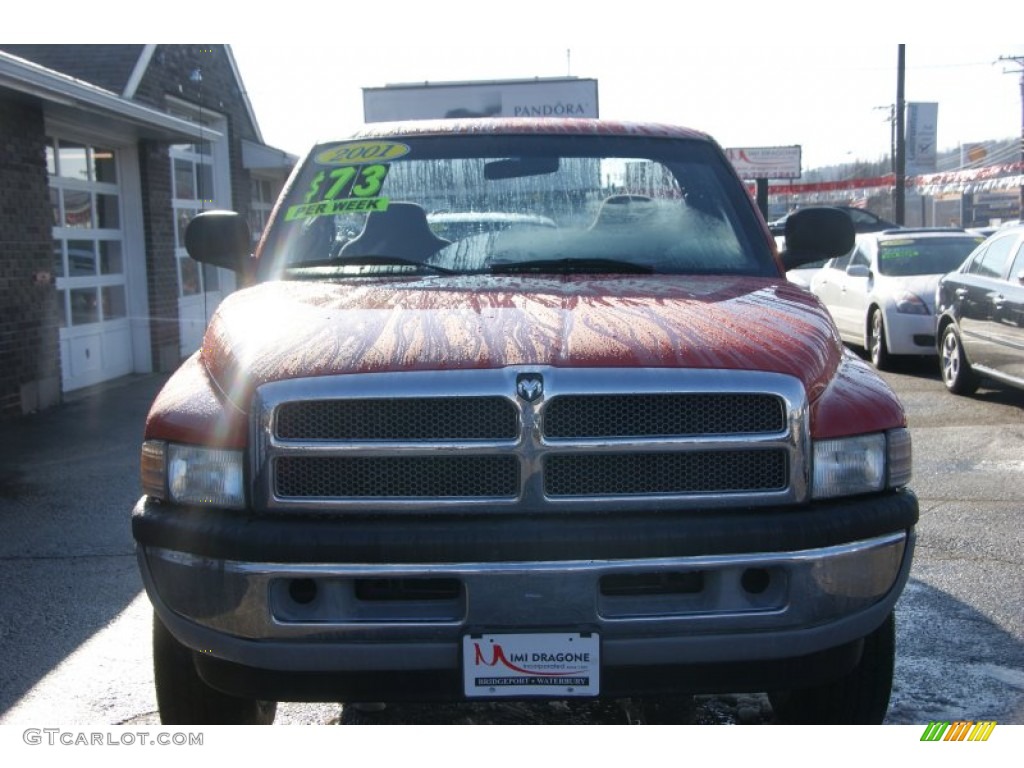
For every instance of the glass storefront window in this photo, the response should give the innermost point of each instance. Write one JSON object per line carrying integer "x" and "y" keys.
{"x": 62, "y": 309}
{"x": 211, "y": 277}
{"x": 204, "y": 173}
{"x": 190, "y": 284}
{"x": 72, "y": 160}
{"x": 111, "y": 259}
{"x": 104, "y": 166}
{"x": 108, "y": 213}
{"x": 55, "y": 205}
{"x": 182, "y": 218}
{"x": 184, "y": 184}
{"x": 85, "y": 307}
{"x": 58, "y": 258}
{"x": 77, "y": 208}
{"x": 51, "y": 157}
{"x": 193, "y": 184}
{"x": 114, "y": 305}
{"x": 81, "y": 258}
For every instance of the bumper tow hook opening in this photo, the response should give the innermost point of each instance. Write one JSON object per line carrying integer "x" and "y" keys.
{"x": 755, "y": 580}
{"x": 302, "y": 591}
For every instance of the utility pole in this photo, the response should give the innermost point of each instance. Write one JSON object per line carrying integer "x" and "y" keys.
{"x": 901, "y": 157}
{"x": 1019, "y": 61}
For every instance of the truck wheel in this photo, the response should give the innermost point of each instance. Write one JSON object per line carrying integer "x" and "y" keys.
{"x": 957, "y": 374}
{"x": 859, "y": 698}
{"x": 184, "y": 699}
{"x": 877, "y": 347}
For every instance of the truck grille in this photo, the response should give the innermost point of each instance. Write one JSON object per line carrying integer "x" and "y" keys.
{"x": 420, "y": 476}
{"x": 397, "y": 442}
{"x": 438, "y": 418}
{"x": 643, "y": 473}
{"x": 575, "y": 416}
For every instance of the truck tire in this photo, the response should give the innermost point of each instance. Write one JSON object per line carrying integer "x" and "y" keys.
{"x": 859, "y": 698}
{"x": 184, "y": 699}
{"x": 957, "y": 374}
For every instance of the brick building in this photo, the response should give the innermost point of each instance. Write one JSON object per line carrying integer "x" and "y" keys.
{"x": 106, "y": 152}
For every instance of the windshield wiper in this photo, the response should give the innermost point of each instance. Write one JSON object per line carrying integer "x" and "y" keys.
{"x": 571, "y": 265}
{"x": 371, "y": 261}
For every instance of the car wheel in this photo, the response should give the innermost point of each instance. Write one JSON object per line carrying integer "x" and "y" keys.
{"x": 184, "y": 699}
{"x": 957, "y": 374}
{"x": 877, "y": 347}
{"x": 859, "y": 698}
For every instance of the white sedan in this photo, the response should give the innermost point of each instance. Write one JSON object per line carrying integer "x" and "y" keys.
{"x": 882, "y": 294}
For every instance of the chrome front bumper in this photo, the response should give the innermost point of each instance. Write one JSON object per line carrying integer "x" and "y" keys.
{"x": 316, "y": 617}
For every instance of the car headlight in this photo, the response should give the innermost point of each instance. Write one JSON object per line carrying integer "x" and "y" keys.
{"x": 908, "y": 303}
{"x": 188, "y": 474}
{"x": 848, "y": 466}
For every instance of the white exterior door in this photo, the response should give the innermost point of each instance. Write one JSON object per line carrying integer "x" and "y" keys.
{"x": 90, "y": 262}
{"x": 200, "y": 181}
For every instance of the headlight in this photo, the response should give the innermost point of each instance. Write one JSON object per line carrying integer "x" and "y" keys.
{"x": 851, "y": 465}
{"x": 188, "y": 474}
{"x": 908, "y": 303}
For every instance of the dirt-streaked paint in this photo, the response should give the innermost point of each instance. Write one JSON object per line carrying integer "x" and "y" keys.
{"x": 283, "y": 330}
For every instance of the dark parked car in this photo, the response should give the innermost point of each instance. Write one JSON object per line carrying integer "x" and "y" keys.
{"x": 981, "y": 315}
{"x": 863, "y": 221}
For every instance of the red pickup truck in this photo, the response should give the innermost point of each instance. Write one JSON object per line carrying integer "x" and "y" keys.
{"x": 615, "y": 455}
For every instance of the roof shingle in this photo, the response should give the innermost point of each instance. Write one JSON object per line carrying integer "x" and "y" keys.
{"x": 106, "y": 66}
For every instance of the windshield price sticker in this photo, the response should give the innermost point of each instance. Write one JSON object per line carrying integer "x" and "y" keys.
{"x": 347, "y": 181}
{"x": 360, "y": 152}
{"x": 333, "y": 207}
{"x": 348, "y": 189}
{"x": 542, "y": 664}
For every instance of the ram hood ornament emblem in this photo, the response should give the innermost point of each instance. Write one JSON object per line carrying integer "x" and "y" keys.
{"x": 529, "y": 386}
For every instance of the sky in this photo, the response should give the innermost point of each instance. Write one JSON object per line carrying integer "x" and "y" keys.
{"x": 790, "y": 72}
{"x": 831, "y": 101}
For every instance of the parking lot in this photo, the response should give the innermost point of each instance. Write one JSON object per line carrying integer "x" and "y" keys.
{"x": 74, "y": 632}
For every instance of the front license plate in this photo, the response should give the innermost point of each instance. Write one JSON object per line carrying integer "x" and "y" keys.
{"x": 541, "y": 664}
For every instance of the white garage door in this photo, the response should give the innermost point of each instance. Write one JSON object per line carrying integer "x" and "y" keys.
{"x": 89, "y": 263}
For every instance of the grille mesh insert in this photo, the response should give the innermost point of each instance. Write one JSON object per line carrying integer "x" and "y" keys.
{"x": 388, "y": 477}
{"x": 419, "y": 419}
{"x": 734, "y": 471}
{"x": 662, "y": 415}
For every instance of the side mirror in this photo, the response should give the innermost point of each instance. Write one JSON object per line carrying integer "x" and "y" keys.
{"x": 817, "y": 233}
{"x": 220, "y": 238}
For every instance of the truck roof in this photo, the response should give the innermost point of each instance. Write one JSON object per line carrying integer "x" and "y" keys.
{"x": 520, "y": 125}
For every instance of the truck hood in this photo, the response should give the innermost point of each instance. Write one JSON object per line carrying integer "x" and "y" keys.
{"x": 282, "y": 330}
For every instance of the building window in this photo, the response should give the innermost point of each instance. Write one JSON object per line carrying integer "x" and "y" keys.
{"x": 261, "y": 203}
{"x": 87, "y": 239}
{"x": 192, "y": 192}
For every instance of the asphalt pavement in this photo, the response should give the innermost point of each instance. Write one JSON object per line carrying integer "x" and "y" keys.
{"x": 69, "y": 477}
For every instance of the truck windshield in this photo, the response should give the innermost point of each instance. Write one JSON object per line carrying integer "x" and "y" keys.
{"x": 466, "y": 204}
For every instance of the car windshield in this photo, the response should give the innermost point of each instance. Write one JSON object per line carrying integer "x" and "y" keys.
{"x": 508, "y": 204}
{"x": 924, "y": 255}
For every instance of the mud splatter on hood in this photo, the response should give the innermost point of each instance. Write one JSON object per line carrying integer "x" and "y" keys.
{"x": 284, "y": 330}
